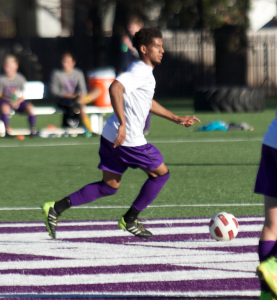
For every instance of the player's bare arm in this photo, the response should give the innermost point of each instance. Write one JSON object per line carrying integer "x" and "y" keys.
{"x": 160, "y": 111}
{"x": 116, "y": 94}
{"x": 70, "y": 96}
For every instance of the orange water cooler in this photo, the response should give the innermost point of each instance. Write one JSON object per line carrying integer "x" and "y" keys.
{"x": 101, "y": 79}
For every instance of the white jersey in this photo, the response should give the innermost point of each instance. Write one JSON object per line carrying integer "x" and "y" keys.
{"x": 139, "y": 86}
{"x": 270, "y": 137}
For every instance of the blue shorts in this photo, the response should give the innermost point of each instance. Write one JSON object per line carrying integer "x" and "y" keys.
{"x": 118, "y": 160}
{"x": 266, "y": 183}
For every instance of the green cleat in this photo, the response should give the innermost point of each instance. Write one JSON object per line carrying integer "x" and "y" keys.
{"x": 88, "y": 134}
{"x": 135, "y": 228}
{"x": 265, "y": 295}
{"x": 51, "y": 218}
{"x": 267, "y": 271}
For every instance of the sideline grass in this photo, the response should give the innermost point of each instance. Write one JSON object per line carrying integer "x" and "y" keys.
{"x": 200, "y": 172}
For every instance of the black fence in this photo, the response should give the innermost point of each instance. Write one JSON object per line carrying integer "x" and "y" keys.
{"x": 188, "y": 63}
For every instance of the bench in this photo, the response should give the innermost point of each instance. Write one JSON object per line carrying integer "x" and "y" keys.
{"x": 36, "y": 90}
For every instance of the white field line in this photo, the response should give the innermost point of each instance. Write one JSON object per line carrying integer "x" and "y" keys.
{"x": 139, "y": 294}
{"x": 151, "y": 206}
{"x": 220, "y": 140}
{"x": 39, "y": 280}
{"x": 167, "y": 222}
{"x": 158, "y": 259}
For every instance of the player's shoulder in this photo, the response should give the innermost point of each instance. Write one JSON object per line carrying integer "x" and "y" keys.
{"x": 20, "y": 77}
{"x": 138, "y": 65}
{"x": 57, "y": 73}
{"x": 139, "y": 68}
{"x": 3, "y": 77}
{"x": 78, "y": 71}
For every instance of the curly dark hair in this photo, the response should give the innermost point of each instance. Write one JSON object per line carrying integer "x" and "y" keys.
{"x": 145, "y": 36}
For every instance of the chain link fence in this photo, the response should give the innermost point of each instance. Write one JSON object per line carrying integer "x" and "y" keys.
{"x": 187, "y": 63}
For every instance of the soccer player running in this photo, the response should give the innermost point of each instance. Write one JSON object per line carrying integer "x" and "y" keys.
{"x": 11, "y": 94}
{"x": 123, "y": 144}
{"x": 266, "y": 184}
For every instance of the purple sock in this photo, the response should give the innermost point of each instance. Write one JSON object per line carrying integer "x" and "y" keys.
{"x": 150, "y": 191}
{"x": 147, "y": 122}
{"x": 274, "y": 251}
{"x": 91, "y": 192}
{"x": 265, "y": 250}
{"x": 5, "y": 119}
{"x": 32, "y": 121}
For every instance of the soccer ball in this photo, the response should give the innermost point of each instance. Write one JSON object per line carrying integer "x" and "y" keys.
{"x": 223, "y": 226}
{"x": 2, "y": 129}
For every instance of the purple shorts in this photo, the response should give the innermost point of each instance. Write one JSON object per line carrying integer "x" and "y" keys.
{"x": 117, "y": 160}
{"x": 266, "y": 183}
{"x": 21, "y": 107}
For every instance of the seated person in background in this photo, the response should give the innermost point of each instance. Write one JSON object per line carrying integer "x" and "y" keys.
{"x": 11, "y": 94}
{"x": 68, "y": 86}
{"x": 130, "y": 54}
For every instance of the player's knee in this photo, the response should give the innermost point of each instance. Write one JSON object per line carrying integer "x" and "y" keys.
{"x": 161, "y": 178}
{"x": 5, "y": 109}
{"x": 30, "y": 109}
{"x": 271, "y": 225}
{"x": 110, "y": 190}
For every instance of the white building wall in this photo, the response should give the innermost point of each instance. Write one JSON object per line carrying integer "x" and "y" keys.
{"x": 261, "y": 12}
{"x": 48, "y": 18}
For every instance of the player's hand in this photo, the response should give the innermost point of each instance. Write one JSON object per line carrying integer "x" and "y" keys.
{"x": 15, "y": 105}
{"x": 121, "y": 136}
{"x": 69, "y": 96}
{"x": 81, "y": 99}
{"x": 187, "y": 121}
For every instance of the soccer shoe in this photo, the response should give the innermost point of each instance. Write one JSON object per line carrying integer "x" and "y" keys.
{"x": 88, "y": 134}
{"x": 135, "y": 228}
{"x": 265, "y": 295}
{"x": 33, "y": 133}
{"x": 51, "y": 218}
{"x": 267, "y": 271}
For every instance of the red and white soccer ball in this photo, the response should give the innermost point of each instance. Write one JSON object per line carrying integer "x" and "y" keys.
{"x": 223, "y": 226}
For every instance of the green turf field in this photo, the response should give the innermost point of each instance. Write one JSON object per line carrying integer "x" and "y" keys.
{"x": 206, "y": 168}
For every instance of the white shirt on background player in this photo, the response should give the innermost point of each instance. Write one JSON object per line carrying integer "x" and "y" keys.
{"x": 139, "y": 87}
{"x": 270, "y": 137}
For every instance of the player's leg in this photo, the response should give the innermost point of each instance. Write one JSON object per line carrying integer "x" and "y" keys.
{"x": 267, "y": 249}
{"x": 266, "y": 185}
{"x": 5, "y": 110}
{"x": 28, "y": 109}
{"x": 89, "y": 193}
{"x": 149, "y": 191}
{"x": 85, "y": 119}
{"x": 70, "y": 117}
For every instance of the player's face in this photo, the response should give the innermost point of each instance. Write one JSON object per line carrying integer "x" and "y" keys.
{"x": 10, "y": 67}
{"x": 155, "y": 51}
{"x": 68, "y": 63}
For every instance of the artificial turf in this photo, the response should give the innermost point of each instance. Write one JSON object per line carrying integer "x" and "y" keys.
{"x": 204, "y": 170}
